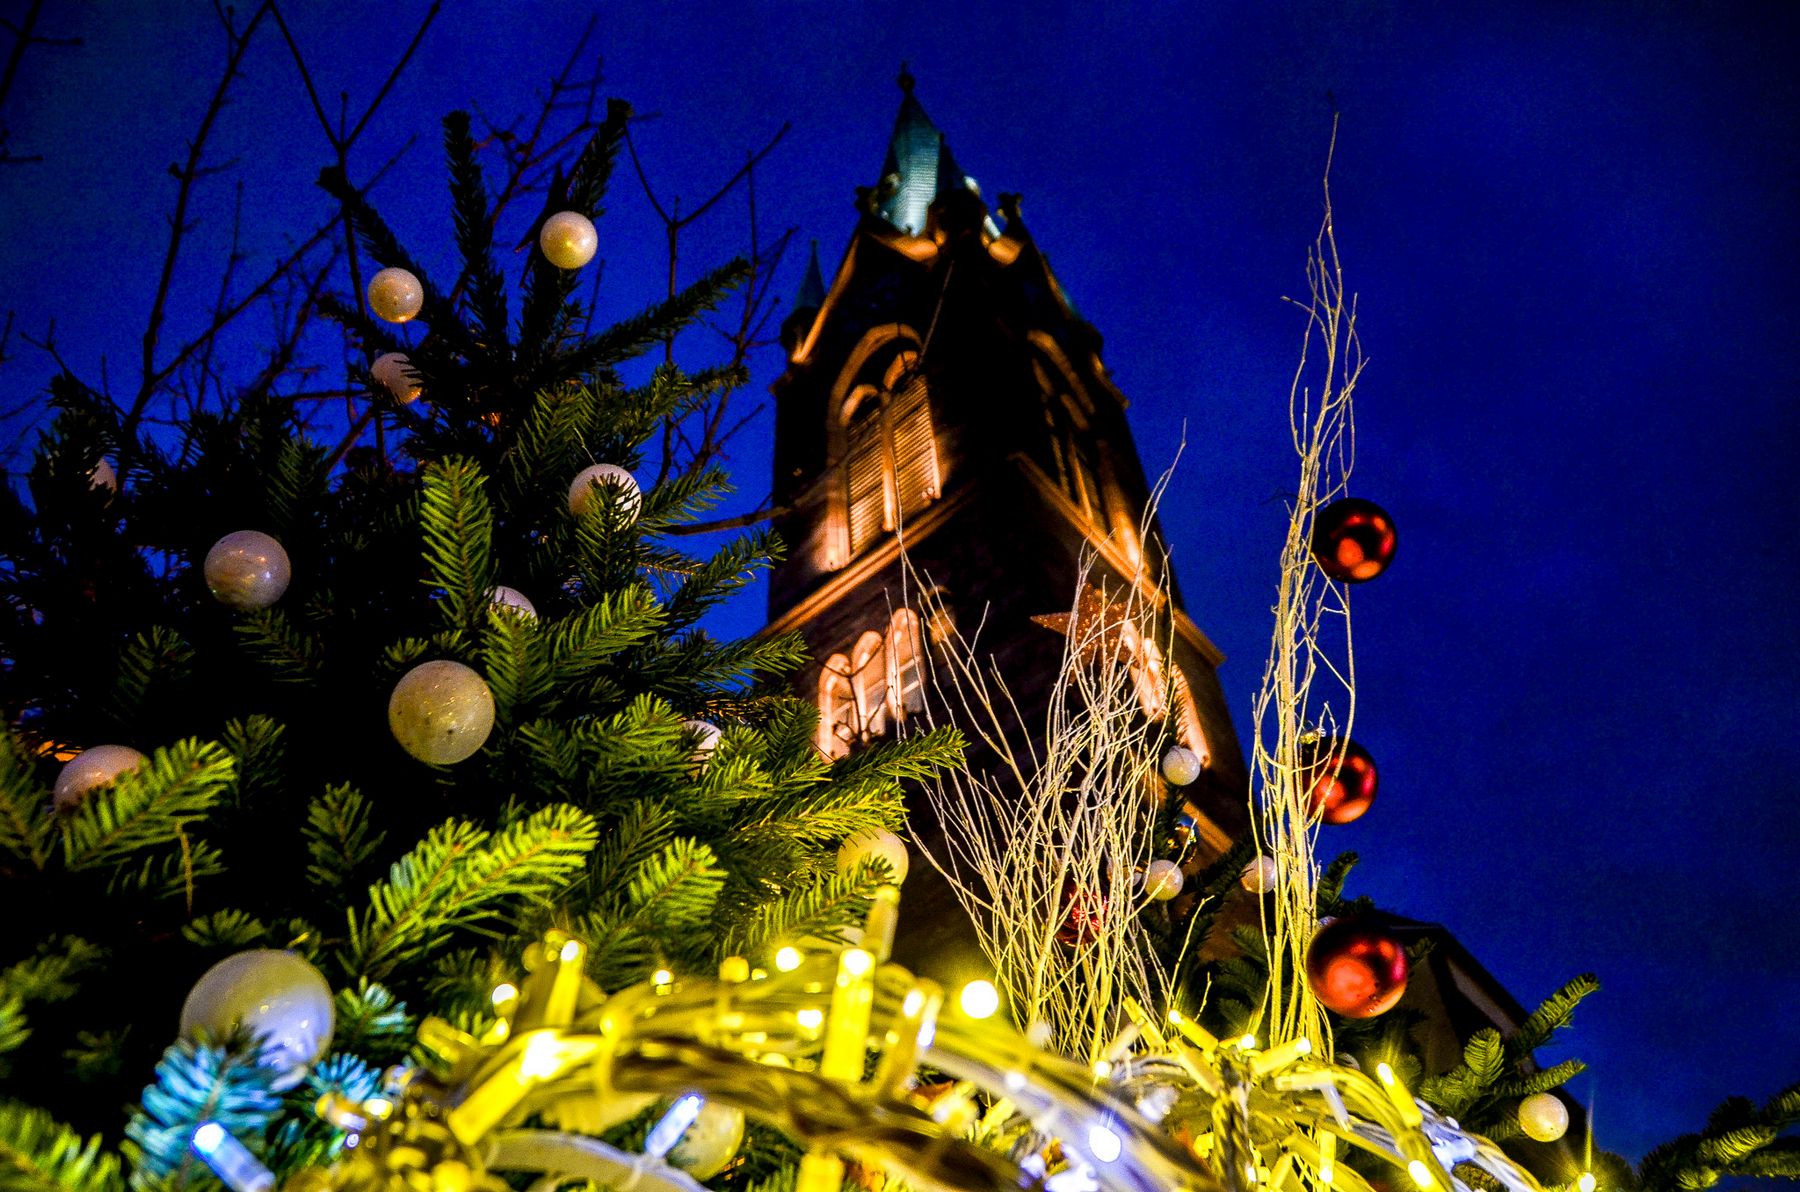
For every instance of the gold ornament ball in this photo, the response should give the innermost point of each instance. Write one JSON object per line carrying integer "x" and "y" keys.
{"x": 569, "y": 240}
{"x": 1259, "y": 876}
{"x": 441, "y": 712}
{"x": 867, "y": 846}
{"x": 91, "y": 768}
{"x": 512, "y": 598}
{"x": 104, "y": 477}
{"x": 393, "y": 371}
{"x": 1544, "y": 1116}
{"x": 395, "y": 295}
{"x": 583, "y": 488}
{"x": 247, "y": 570}
{"x": 275, "y": 995}
{"x": 1181, "y": 765}
{"x": 708, "y": 1145}
{"x": 1163, "y": 880}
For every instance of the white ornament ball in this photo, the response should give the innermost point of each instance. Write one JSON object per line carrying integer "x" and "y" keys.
{"x": 247, "y": 570}
{"x": 1181, "y": 765}
{"x": 441, "y": 712}
{"x": 91, "y": 768}
{"x": 582, "y": 489}
{"x": 568, "y": 239}
{"x": 395, "y": 295}
{"x": 514, "y": 599}
{"x": 708, "y": 1145}
{"x": 104, "y": 477}
{"x": 1163, "y": 880}
{"x": 1544, "y": 1116}
{"x": 393, "y": 371}
{"x": 1259, "y": 876}
{"x": 277, "y": 996}
{"x": 867, "y": 846}
{"x": 706, "y": 735}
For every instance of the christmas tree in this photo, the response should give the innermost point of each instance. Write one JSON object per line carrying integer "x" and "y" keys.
{"x": 355, "y": 730}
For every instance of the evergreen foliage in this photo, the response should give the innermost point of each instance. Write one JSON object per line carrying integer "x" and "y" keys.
{"x": 275, "y": 810}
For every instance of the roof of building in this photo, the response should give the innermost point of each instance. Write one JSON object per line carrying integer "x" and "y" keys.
{"x": 918, "y": 168}
{"x": 812, "y": 286}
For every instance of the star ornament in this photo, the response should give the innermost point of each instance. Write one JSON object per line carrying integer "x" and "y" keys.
{"x": 1096, "y": 625}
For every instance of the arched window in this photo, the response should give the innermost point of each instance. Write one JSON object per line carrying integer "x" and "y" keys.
{"x": 890, "y": 460}
{"x": 869, "y": 678}
{"x": 906, "y": 674}
{"x": 839, "y": 723}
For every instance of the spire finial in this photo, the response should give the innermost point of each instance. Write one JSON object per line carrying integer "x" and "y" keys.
{"x": 906, "y": 79}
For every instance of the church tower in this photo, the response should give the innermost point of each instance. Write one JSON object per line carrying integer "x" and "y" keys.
{"x": 943, "y": 395}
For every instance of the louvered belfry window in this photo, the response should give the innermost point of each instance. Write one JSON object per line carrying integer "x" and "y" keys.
{"x": 890, "y": 452}
{"x": 865, "y": 473}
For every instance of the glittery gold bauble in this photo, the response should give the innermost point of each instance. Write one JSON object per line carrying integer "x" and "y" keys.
{"x": 275, "y": 995}
{"x": 393, "y": 371}
{"x": 91, "y": 768}
{"x": 568, "y": 239}
{"x": 395, "y": 295}
{"x": 441, "y": 712}
{"x": 867, "y": 846}
{"x": 1544, "y": 1116}
{"x": 1163, "y": 880}
{"x": 708, "y": 1145}
{"x": 1181, "y": 765}
{"x": 247, "y": 570}
{"x": 584, "y": 488}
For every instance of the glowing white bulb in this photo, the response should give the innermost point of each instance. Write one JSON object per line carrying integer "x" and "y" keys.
{"x": 208, "y": 1137}
{"x": 979, "y": 999}
{"x": 1586, "y": 1182}
{"x": 857, "y": 962}
{"x": 1247, "y": 1043}
{"x": 1421, "y": 1175}
{"x": 539, "y": 1060}
{"x": 662, "y": 977}
{"x": 1104, "y": 1144}
{"x": 788, "y": 959}
{"x": 914, "y": 1003}
{"x": 812, "y": 1020}
{"x": 504, "y": 993}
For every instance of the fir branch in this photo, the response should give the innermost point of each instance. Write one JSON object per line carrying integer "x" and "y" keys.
{"x": 1541, "y": 1081}
{"x": 677, "y": 889}
{"x": 257, "y": 744}
{"x": 40, "y": 1154}
{"x": 619, "y": 620}
{"x": 1551, "y": 1016}
{"x": 294, "y": 655}
{"x": 174, "y": 788}
{"x": 460, "y": 877}
{"x": 371, "y": 1020}
{"x": 339, "y": 838}
{"x": 458, "y": 526}
{"x": 156, "y": 655}
{"x": 196, "y": 1083}
{"x": 632, "y": 336}
{"x": 515, "y": 663}
{"x": 226, "y": 929}
{"x": 475, "y": 234}
{"x": 25, "y": 824}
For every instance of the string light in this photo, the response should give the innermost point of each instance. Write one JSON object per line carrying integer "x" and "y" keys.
{"x": 979, "y": 999}
{"x": 788, "y": 959}
{"x": 812, "y": 1020}
{"x": 1421, "y": 1174}
{"x": 1104, "y": 1144}
{"x": 504, "y": 993}
{"x": 1586, "y": 1182}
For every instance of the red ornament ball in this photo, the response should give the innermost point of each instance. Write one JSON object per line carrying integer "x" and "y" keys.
{"x": 1353, "y": 540}
{"x": 1340, "y": 777}
{"x": 1086, "y": 912}
{"x": 1355, "y": 968}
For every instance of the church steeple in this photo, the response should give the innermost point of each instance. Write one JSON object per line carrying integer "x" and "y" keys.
{"x": 945, "y": 423}
{"x": 918, "y": 169}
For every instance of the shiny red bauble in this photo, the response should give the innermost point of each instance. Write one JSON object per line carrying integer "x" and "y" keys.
{"x": 1085, "y": 911}
{"x": 1353, "y": 540}
{"x": 1340, "y": 778}
{"x": 1356, "y": 968}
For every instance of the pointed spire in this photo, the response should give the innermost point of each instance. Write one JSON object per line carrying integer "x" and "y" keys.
{"x": 812, "y": 286}
{"x": 918, "y": 168}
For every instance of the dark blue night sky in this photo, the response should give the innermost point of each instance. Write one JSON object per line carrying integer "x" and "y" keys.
{"x": 1572, "y": 230}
